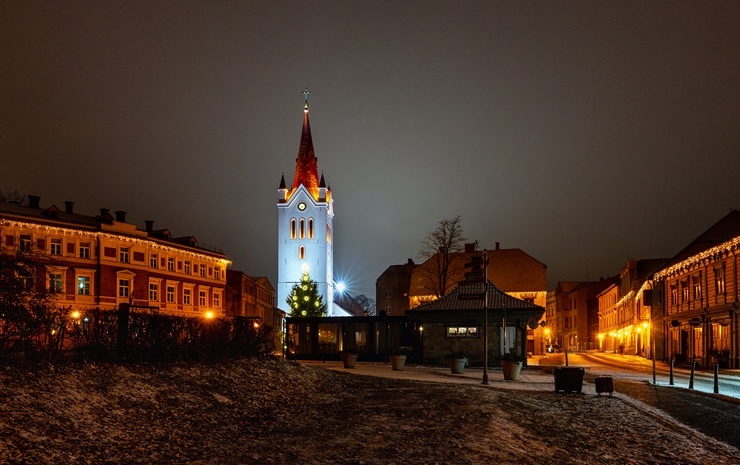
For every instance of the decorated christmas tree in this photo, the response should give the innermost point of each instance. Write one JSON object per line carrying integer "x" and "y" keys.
{"x": 305, "y": 300}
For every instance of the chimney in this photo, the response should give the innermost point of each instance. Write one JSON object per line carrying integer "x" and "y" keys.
{"x": 410, "y": 261}
{"x": 149, "y": 225}
{"x": 69, "y": 206}
{"x": 498, "y": 246}
{"x": 34, "y": 201}
{"x": 121, "y": 216}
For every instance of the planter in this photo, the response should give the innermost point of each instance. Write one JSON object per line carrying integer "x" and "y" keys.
{"x": 511, "y": 369}
{"x": 349, "y": 360}
{"x": 457, "y": 365}
{"x": 569, "y": 379}
{"x": 398, "y": 362}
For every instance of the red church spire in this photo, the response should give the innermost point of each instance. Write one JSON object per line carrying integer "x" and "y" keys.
{"x": 306, "y": 171}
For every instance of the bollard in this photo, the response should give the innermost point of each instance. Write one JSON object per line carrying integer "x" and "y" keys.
{"x": 716, "y": 378}
{"x": 691, "y": 380}
{"x": 671, "y": 380}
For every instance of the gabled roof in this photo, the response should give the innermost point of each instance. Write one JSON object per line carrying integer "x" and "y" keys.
{"x": 722, "y": 231}
{"x": 497, "y": 300}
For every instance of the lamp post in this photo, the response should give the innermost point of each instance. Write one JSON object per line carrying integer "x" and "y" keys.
{"x": 485, "y": 317}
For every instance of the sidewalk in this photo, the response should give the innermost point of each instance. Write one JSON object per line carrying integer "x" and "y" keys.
{"x": 531, "y": 378}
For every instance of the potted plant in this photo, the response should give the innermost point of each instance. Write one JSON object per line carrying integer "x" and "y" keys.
{"x": 349, "y": 357}
{"x": 511, "y": 365}
{"x": 398, "y": 359}
{"x": 458, "y": 361}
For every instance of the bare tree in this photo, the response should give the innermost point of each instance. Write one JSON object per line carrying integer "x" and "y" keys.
{"x": 438, "y": 249}
{"x": 367, "y": 304}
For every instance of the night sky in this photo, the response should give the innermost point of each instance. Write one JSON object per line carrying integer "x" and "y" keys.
{"x": 581, "y": 132}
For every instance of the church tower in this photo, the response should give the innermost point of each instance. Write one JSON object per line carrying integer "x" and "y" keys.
{"x": 305, "y": 214}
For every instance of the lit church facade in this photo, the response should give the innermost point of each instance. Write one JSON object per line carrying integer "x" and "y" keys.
{"x": 305, "y": 232}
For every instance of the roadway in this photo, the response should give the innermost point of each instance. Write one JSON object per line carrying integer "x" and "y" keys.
{"x": 641, "y": 369}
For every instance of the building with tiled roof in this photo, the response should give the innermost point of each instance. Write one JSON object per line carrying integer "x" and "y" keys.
{"x": 102, "y": 261}
{"x": 455, "y": 322}
{"x": 700, "y": 318}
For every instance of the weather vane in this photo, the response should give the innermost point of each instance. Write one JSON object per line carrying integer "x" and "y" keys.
{"x": 306, "y": 93}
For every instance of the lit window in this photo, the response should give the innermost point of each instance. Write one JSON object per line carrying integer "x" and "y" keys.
{"x": 56, "y": 247}
{"x": 83, "y": 285}
{"x": 123, "y": 254}
{"x": 462, "y": 331}
{"x": 153, "y": 260}
{"x": 170, "y": 294}
{"x": 719, "y": 280}
{"x": 153, "y": 292}
{"x": 25, "y": 243}
{"x": 696, "y": 281}
{"x": 84, "y": 250}
{"x": 124, "y": 286}
{"x": 55, "y": 283}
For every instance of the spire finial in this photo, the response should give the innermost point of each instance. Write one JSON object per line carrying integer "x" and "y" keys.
{"x": 306, "y": 93}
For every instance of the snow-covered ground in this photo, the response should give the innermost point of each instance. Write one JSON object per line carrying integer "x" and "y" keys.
{"x": 272, "y": 411}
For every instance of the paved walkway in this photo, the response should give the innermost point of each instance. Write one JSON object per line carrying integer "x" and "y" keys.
{"x": 532, "y": 378}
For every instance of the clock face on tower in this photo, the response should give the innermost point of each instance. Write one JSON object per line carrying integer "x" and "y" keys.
{"x": 301, "y": 206}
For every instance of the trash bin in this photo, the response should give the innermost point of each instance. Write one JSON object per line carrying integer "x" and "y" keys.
{"x": 569, "y": 379}
{"x": 604, "y": 384}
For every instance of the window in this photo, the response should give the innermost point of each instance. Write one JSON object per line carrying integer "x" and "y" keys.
{"x": 25, "y": 243}
{"x": 292, "y": 228}
{"x": 302, "y": 229}
{"x": 462, "y": 331}
{"x": 202, "y": 298}
{"x": 84, "y": 250}
{"x": 187, "y": 267}
{"x": 124, "y": 286}
{"x": 685, "y": 291}
{"x": 216, "y": 273}
{"x": 153, "y": 260}
{"x": 123, "y": 254}
{"x": 719, "y": 280}
{"x": 56, "y": 247}
{"x": 153, "y": 292}
{"x": 387, "y": 293}
{"x": 83, "y": 285}
{"x": 310, "y": 228}
{"x": 216, "y": 300}
{"x": 696, "y": 281}
{"x": 170, "y": 264}
{"x": 674, "y": 294}
{"x": 203, "y": 270}
{"x": 55, "y": 283}
{"x": 170, "y": 294}
{"x": 186, "y": 297}
{"x": 301, "y": 252}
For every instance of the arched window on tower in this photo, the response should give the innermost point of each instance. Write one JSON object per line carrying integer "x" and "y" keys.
{"x": 302, "y": 228}
{"x": 292, "y": 228}
{"x": 310, "y": 228}
{"x": 301, "y": 252}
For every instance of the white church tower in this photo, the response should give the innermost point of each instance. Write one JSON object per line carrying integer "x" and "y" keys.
{"x": 305, "y": 214}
